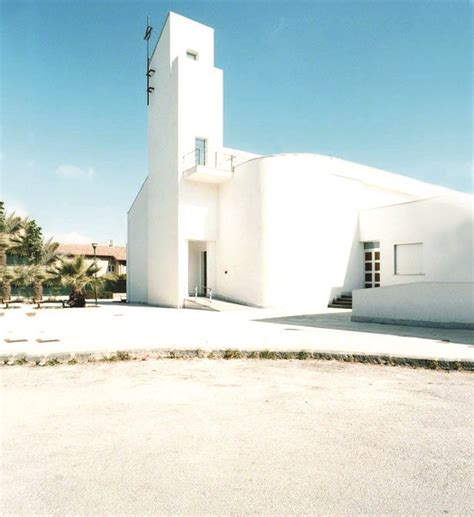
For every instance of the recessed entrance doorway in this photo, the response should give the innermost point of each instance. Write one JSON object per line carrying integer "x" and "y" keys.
{"x": 197, "y": 268}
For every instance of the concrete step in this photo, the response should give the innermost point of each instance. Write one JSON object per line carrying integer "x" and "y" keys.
{"x": 344, "y": 301}
{"x": 203, "y": 303}
{"x": 339, "y": 306}
{"x": 199, "y": 305}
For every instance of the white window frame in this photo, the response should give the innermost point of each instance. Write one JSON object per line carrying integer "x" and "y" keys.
{"x": 372, "y": 247}
{"x": 200, "y": 159}
{"x": 397, "y": 247}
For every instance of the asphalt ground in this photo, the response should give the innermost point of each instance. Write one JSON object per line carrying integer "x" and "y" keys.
{"x": 235, "y": 437}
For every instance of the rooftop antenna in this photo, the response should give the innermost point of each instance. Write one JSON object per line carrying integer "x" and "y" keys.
{"x": 149, "y": 71}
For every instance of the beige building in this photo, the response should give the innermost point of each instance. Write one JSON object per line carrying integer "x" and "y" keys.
{"x": 111, "y": 259}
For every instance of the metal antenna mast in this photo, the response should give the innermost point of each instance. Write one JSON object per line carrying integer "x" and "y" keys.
{"x": 149, "y": 71}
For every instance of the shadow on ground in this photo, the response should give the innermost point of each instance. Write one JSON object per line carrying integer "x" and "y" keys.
{"x": 342, "y": 321}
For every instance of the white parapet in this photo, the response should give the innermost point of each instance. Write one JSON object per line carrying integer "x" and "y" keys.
{"x": 202, "y": 174}
{"x": 434, "y": 304}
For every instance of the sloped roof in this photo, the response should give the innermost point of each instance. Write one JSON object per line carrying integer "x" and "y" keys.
{"x": 117, "y": 252}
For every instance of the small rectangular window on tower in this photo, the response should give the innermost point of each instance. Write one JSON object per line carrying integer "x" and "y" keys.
{"x": 191, "y": 54}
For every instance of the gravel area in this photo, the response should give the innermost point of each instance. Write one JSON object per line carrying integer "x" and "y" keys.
{"x": 235, "y": 437}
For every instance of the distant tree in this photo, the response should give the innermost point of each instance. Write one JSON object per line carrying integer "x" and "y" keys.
{"x": 23, "y": 238}
{"x": 31, "y": 246}
{"x": 3, "y": 238}
{"x": 36, "y": 274}
{"x": 6, "y": 278}
{"x": 49, "y": 252}
{"x": 11, "y": 230}
{"x": 32, "y": 275}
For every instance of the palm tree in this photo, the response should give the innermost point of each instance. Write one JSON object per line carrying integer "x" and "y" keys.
{"x": 6, "y": 277}
{"x": 33, "y": 275}
{"x": 49, "y": 253}
{"x": 11, "y": 228}
{"x": 76, "y": 273}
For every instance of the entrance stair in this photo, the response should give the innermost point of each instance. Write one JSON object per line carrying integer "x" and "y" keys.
{"x": 205, "y": 304}
{"x": 342, "y": 302}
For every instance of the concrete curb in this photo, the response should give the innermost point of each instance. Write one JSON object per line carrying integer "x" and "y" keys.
{"x": 143, "y": 355}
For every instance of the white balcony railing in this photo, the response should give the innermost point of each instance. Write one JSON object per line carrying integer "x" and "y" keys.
{"x": 208, "y": 158}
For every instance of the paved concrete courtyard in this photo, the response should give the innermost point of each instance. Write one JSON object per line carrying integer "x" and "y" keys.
{"x": 235, "y": 437}
{"x": 112, "y": 327}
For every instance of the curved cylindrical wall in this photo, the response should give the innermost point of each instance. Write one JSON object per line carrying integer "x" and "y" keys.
{"x": 288, "y": 230}
{"x": 239, "y": 261}
{"x": 282, "y": 239}
{"x": 309, "y": 229}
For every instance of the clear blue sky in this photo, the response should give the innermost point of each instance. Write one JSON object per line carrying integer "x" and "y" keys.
{"x": 383, "y": 83}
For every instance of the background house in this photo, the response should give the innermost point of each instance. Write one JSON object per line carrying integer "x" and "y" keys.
{"x": 111, "y": 259}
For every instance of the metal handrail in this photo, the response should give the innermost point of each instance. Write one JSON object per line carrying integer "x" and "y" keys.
{"x": 208, "y": 158}
{"x": 208, "y": 289}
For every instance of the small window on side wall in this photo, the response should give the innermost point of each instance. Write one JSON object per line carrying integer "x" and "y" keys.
{"x": 191, "y": 54}
{"x": 409, "y": 259}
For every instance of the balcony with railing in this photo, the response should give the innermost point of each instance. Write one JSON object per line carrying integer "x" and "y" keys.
{"x": 206, "y": 166}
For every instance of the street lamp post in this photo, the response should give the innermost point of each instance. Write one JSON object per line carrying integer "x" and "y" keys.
{"x": 94, "y": 246}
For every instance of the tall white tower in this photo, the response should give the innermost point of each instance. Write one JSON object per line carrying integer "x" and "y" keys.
{"x": 185, "y": 119}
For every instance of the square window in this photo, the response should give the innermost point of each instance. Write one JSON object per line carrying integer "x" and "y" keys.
{"x": 368, "y": 255}
{"x": 409, "y": 259}
{"x": 368, "y": 266}
{"x": 368, "y": 277}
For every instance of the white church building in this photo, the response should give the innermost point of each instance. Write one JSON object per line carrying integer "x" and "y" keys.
{"x": 292, "y": 231}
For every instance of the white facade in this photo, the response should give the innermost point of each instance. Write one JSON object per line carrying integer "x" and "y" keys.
{"x": 137, "y": 247}
{"x": 439, "y": 232}
{"x": 274, "y": 231}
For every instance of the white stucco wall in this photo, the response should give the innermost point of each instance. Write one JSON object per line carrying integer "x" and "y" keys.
{"x": 239, "y": 258}
{"x": 137, "y": 244}
{"x": 187, "y": 103}
{"x": 200, "y": 115}
{"x": 284, "y": 230}
{"x": 443, "y": 225}
{"x": 288, "y": 229}
{"x": 445, "y": 304}
{"x": 162, "y": 174}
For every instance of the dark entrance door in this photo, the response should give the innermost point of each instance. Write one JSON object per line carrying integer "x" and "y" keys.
{"x": 371, "y": 264}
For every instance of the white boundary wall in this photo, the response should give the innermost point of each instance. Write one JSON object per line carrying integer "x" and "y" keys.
{"x": 434, "y": 304}
{"x": 137, "y": 248}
